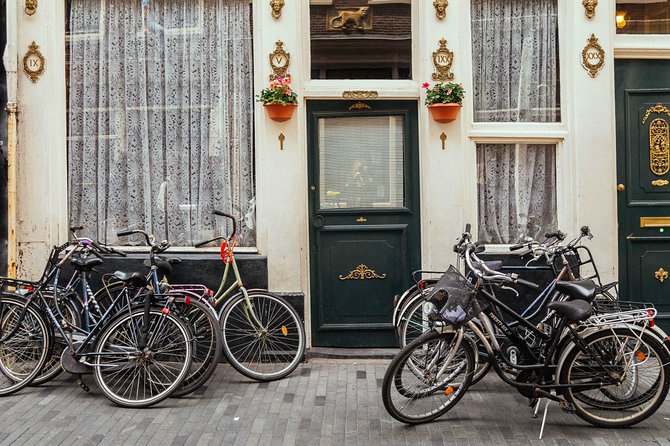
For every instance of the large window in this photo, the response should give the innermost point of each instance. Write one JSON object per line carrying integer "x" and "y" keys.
{"x": 516, "y": 191}
{"x": 160, "y": 127}
{"x": 515, "y": 61}
{"x": 361, "y": 39}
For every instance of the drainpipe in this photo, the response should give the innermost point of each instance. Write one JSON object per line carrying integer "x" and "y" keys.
{"x": 10, "y": 61}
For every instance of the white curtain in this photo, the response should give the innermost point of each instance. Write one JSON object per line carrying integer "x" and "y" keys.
{"x": 515, "y": 60}
{"x": 516, "y": 185}
{"x": 160, "y": 118}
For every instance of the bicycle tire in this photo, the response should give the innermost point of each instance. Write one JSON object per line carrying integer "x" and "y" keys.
{"x": 202, "y": 321}
{"x": 593, "y": 405}
{"x": 413, "y": 322}
{"x": 25, "y": 343}
{"x": 267, "y": 352}
{"x": 118, "y": 360}
{"x": 411, "y": 391}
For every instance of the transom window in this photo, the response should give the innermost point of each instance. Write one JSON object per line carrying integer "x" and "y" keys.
{"x": 643, "y": 17}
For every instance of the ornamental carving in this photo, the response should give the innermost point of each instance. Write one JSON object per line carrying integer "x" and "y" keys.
{"x": 360, "y": 106}
{"x": 360, "y": 94}
{"x": 362, "y": 272}
{"x": 441, "y": 8}
{"x": 279, "y": 61}
{"x": 31, "y": 7}
{"x": 593, "y": 56}
{"x": 659, "y": 147}
{"x": 658, "y": 108}
{"x": 276, "y": 6}
{"x": 590, "y": 8}
{"x": 443, "y": 58}
{"x": 33, "y": 62}
{"x": 661, "y": 275}
{"x": 348, "y": 20}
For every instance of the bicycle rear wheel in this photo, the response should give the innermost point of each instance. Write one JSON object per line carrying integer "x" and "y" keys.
{"x": 635, "y": 365}
{"x": 427, "y": 378}
{"x": 131, "y": 376}
{"x": 204, "y": 325}
{"x": 25, "y": 343}
{"x": 263, "y": 337}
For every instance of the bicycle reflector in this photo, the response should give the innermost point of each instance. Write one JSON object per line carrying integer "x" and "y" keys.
{"x": 187, "y": 301}
{"x": 284, "y": 330}
{"x": 422, "y": 285}
{"x": 651, "y": 317}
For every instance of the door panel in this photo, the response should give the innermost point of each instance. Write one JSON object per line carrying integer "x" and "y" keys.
{"x": 643, "y": 161}
{"x": 364, "y": 235}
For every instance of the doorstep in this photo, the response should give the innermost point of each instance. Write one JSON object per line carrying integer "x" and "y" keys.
{"x": 351, "y": 353}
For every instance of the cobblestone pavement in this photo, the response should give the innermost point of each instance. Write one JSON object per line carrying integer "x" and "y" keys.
{"x": 324, "y": 402}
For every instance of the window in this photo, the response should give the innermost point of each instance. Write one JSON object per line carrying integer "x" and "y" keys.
{"x": 515, "y": 61}
{"x": 516, "y": 189}
{"x": 369, "y": 39}
{"x": 160, "y": 126}
{"x": 643, "y": 17}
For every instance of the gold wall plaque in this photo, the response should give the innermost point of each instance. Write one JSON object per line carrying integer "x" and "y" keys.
{"x": 658, "y": 108}
{"x": 362, "y": 272}
{"x": 31, "y": 7}
{"x": 441, "y": 8}
{"x": 661, "y": 275}
{"x": 659, "y": 183}
{"x": 659, "y": 147}
{"x": 349, "y": 19}
{"x": 276, "y": 6}
{"x": 443, "y": 58}
{"x": 33, "y": 62}
{"x": 360, "y": 94}
{"x": 593, "y": 56}
{"x": 590, "y": 7}
{"x": 281, "y": 139}
{"x": 279, "y": 61}
{"x": 360, "y": 106}
{"x": 654, "y": 222}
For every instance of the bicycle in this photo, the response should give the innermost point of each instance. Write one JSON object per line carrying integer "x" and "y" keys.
{"x": 580, "y": 362}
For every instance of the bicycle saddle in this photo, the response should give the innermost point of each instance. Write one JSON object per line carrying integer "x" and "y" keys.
{"x": 85, "y": 264}
{"x": 578, "y": 289}
{"x": 134, "y": 279}
{"x": 574, "y": 310}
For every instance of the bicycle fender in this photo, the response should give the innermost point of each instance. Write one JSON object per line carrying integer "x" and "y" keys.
{"x": 409, "y": 292}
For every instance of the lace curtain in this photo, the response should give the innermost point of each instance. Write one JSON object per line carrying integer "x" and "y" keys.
{"x": 516, "y": 186}
{"x": 515, "y": 60}
{"x": 160, "y": 118}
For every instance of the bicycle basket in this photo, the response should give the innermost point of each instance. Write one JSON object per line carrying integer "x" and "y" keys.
{"x": 458, "y": 297}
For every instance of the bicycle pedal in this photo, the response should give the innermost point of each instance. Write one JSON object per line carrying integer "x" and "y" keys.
{"x": 567, "y": 407}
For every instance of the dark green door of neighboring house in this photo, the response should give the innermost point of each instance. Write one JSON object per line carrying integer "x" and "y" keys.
{"x": 364, "y": 217}
{"x": 643, "y": 163}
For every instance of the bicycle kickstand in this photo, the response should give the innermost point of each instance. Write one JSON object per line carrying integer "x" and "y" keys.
{"x": 81, "y": 383}
{"x": 544, "y": 418}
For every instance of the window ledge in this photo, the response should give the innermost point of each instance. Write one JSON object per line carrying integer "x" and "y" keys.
{"x": 517, "y": 132}
{"x": 186, "y": 249}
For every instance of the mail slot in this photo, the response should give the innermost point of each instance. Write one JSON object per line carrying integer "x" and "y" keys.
{"x": 654, "y": 222}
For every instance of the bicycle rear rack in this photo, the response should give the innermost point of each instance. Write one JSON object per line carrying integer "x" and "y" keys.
{"x": 621, "y": 317}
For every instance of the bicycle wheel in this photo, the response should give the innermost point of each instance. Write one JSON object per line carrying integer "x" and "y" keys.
{"x": 263, "y": 337}
{"x": 634, "y": 367}
{"x": 414, "y": 322}
{"x": 427, "y": 378}
{"x": 204, "y": 325}
{"x": 134, "y": 377}
{"x": 25, "y": 343}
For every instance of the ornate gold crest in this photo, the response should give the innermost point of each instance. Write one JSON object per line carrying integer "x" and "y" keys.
{"x": 362, "y": 272}
{"x": 279, "y": 61}
{"x": 658, "y": 108}
{"x": 33, "y": 62}
{"x": 593, "y": 56}
{"x": 659, "y": 146}
{"x": 443, "y": 58}
{"x": 441, "y": 8}
{"x": 661, "y": 275}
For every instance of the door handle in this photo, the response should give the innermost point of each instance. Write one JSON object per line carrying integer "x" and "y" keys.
{"x": 621, "y": 187}
{"x": 318, "y": 221}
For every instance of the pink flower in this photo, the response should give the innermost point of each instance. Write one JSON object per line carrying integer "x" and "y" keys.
{"x": 280, "y": 80}
{"x": 426, "y": 85}
{"x": 273, "y": 84}
{"x": 287, "y": 90}
{"x": 448, "y": 91}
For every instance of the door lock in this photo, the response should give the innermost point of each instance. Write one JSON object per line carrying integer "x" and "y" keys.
{"x": 620, "y": 187}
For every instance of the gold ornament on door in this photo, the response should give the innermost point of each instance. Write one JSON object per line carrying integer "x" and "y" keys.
{"x": 661, "y": 275}
{"x": 362, "y": 272}
{"x": 659, "y": 146}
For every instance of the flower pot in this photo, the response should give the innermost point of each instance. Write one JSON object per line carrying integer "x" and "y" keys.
{"x": 444, "y": 112}
{"x": 280, "y": 113}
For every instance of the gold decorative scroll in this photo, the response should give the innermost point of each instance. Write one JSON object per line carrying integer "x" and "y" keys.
{"x": 659, "y": 147}
{"x": 443, "y": 58}
{"x": 658, "y": 108}
{"x": 659, "y": 183}
{"x": 362, "y": 272}
{"x": 360, "y": 94}
{"x": 360, "y": 106}
{"x": 661, "y": 275}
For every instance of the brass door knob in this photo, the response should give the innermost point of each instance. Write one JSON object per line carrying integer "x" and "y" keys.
{"x": 620, "y": 187}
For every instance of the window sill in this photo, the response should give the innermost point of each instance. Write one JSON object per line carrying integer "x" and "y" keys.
{"x": 186, "y": 249}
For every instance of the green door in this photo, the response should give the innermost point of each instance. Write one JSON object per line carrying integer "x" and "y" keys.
{"x": 364, "y": 217}
{"x": 643, "y": 160}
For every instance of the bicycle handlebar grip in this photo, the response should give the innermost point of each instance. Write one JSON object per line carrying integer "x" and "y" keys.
{"x": 124, "y": 233}
{"x": 516, "y": 247}
{"x": 528, "y": 284}
{"x": 198, "y": 245}
{"x": 468, "y": 228}
{"x": 585, "y": 230}
{"x": 116, "y": 251}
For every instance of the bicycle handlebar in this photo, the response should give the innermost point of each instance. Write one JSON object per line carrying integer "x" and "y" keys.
{"x": 223, "y": 214}
{"x": 159, "y": 247}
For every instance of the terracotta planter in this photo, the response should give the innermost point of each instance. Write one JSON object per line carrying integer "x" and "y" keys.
{"x": 280, "y": 113}
{"x": 444, "y": 112}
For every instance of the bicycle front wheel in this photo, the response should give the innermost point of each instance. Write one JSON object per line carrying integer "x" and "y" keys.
{"x": 25, "y": 343}
{"x": 621, "y": 378}
{"x": 263, "y": 336}
{"x": 131, "y": 376}
{"x": 428, "y": 377}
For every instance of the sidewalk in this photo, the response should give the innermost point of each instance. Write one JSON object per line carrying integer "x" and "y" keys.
{"x": 324, "y": 402}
